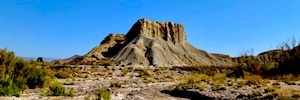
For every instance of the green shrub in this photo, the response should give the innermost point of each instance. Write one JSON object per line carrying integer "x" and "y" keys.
{"x": 10, "y": 90}
{"x": 71, "y": 93}
{"x": 17, "y": 75}
{"x": 102, "y": 94}
{"x": 57, "y": 89}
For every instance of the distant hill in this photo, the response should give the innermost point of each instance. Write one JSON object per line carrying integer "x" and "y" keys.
{"x": 46, "y": 59}
{"x": 67, "y": 60}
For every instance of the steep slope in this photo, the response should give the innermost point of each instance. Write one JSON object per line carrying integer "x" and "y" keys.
{"x": 153, "y": 43}
{"x": 107, "y": 48}
{"x": 111, "y": 44}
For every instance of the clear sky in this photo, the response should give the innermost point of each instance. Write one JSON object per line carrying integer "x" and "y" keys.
{"x": 62, "y": 28}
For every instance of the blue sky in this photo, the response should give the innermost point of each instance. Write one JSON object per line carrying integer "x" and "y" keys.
{"x": 62, "y": 28}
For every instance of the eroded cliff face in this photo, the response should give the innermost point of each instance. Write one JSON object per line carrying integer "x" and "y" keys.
{"x": 153, "y": 43}
{"x": 167, "y": 31}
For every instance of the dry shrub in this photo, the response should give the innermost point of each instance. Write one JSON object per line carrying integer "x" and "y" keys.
{"x": 102, "y": 94}
{"x": 62, "y": 75}
{"x": 57, "y": 89}
{"x": 219, "y": 76}
{"x": 193, "y": 81}
{"x": 255, "y": 80}
{"x": 115, "y": 84}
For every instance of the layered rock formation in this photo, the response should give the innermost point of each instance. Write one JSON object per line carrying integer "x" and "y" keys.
{"x": 152, "y": 43}
{"x": 158, "y": 30}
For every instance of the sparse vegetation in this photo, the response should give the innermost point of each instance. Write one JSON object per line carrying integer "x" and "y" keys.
{"x": 218, "y": 88}
{"x": 102, "y": 94}
{"x": 274, "y": 63}
{"x": 198, "y": 81}
{"x": 219, "y": 76}
{"x": 192, "y": 81}
{"x": 57, "y": 89}
{"x": 255, "y": 80}
{"x": 271, "y": 89}
{"x": 276, "y": 84}
{"x": 240, "y": 84}
{"x": 126, "y": 70}
{"x": 62, "y": 74}
{"x": 115, "y": 84}
{"x": 290, "y": 83}
{"x": 71, "y": 93}
{"x": 88, "y": 97}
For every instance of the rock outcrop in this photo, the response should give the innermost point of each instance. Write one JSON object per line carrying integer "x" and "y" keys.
{"x": 167, "y": 31}
{"x": 108, "y": 47}
{"x": 153, "y": 43}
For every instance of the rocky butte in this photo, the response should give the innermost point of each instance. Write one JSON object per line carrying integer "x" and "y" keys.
{"x": 152, "y": 43}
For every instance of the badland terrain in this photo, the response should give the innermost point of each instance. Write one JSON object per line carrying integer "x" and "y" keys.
{"x": 154, "y": 61}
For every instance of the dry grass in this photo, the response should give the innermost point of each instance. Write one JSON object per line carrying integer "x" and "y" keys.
{"x": 240, "y": 84}
{"x": 194, "y": 78}
{"x": 219, "y": 76}
{"x": 199, "y": 81}
{"x": 193, "y": 81}
{"x": 283, "y": 94}
{"x": 115, "y": 84}
{"x": 255, "y": 80}
{"x": 126, "y": 70}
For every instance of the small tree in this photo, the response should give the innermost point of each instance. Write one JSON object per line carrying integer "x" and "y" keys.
{"x": 40, "y": 59}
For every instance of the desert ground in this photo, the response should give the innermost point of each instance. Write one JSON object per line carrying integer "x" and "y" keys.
{"x": 162, "y": 83}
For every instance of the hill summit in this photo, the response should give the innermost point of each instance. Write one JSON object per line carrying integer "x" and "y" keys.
{"x": 152, "y": 43}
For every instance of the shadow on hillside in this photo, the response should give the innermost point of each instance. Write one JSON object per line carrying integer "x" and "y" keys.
{"x": 186, "y": 94}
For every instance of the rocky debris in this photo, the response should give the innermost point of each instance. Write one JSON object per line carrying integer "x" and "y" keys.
{"x": 152, "y": 43}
